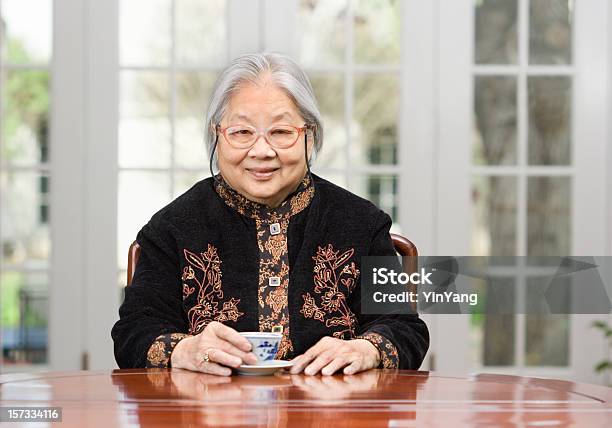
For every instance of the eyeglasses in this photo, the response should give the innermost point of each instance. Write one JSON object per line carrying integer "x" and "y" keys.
{"x": 278, "y": 136}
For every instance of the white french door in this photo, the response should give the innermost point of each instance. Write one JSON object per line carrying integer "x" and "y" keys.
{"x": 550, "y": 178}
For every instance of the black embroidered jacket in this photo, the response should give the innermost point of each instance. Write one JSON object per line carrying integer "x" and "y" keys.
{"x": 212, "y": 254}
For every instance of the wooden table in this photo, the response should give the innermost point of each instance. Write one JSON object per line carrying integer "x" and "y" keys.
{"x": 159, "y": 397}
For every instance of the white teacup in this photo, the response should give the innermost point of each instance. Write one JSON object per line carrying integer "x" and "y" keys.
{"x": 265, "y": 345}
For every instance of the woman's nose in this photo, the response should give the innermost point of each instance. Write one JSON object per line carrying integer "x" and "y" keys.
{"x": 261, "y": 148}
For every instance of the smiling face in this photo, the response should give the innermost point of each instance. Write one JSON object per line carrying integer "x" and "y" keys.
{"x": 262, "y": 173}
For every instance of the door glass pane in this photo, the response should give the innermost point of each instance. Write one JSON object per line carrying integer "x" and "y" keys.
{"x": 144, "y": 32}
{"x": 494, "y": 213}
{"x": 201, "y": 34}
{"x": 25, "y": 117}
{"x": 25, "y": 244}
{"x": 549, "y": 120}
{"x": 547, "y": 335}
{"x": 550, "y": 31}
{"x": 495, "y": 120}
{"x": 329, "y": 91}
{"x": 25, "y": 219}
{"x": 26, "y": 27}
{"x": 377, "y": 31}
{"x": 374, "y": 126}
{"x": 144, "y": 123}
{"x": 322, "y": 31}
{"x": 548, "y": 234}
{"x": 547, "y": 340}
{"x": 548, "y": 214}
{"x": 492, "y": 335}
{"x": 381, "y": 190}
{"x": 23, "y": 317}
{"x": 141, "y": 194}
{"x": 498, "y": 343}
{"x": 496, "y": 36}
{"x": 193, "y": 90}
{"x": 494, "y": 202}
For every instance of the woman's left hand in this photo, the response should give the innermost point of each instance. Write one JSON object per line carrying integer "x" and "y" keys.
{"x": 329, "y": 355}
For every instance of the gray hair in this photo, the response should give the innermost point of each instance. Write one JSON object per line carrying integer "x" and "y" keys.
{"x": 284, "y": 71}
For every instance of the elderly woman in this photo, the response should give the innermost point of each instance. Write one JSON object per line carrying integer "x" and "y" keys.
{"x": 264, "y": 245}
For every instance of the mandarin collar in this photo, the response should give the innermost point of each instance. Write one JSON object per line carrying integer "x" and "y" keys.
{"x": 293, "y": 204}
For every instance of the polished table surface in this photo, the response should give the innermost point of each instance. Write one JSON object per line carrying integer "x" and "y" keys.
{"x": 161, "y": 397}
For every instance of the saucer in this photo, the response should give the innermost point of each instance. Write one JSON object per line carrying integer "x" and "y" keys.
{"x": 268, "y": 368}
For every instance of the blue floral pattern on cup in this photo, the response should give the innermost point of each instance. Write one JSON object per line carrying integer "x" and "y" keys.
{"x": 265, "y": 345}
{"x": 266, "y": 350}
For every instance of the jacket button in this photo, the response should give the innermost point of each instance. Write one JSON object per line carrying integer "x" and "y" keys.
{"x": 275, "y": 228}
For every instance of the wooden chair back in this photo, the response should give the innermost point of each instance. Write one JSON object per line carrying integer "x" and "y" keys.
{"x": 403, "y": 246}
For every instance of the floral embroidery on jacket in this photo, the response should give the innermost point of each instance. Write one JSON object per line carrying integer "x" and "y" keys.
{"x": 206, "y": 279}
{"x": 273, "y": 253}
{"x": 389, "y": 358}
{"x": 334, "y": 280}
{"x": 276, "y": 246}
{"x": 161, "y": 349}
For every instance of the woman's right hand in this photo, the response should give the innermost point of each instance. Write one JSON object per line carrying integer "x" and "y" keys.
{"x": 224, "y": 346}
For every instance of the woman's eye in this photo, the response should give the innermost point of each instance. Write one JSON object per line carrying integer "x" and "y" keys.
{"x": 241, "y": 132}
{"x": 280, "y": 132}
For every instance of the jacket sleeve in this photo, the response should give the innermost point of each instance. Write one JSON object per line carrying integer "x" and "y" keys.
{"x": 402, "y": 340}
{"x": 151, "y": 317}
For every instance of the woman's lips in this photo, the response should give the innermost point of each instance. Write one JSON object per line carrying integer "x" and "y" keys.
{"x": 262, "y": 173}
